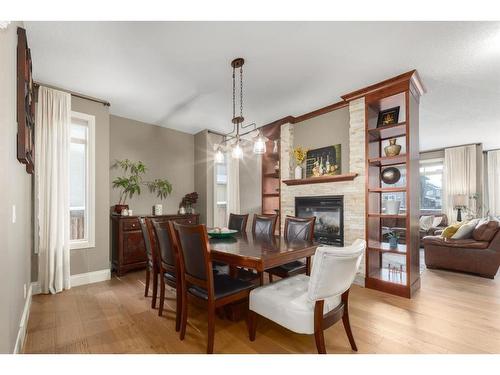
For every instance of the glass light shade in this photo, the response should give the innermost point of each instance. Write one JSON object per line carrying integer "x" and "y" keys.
{"x": 219, "y": 156}
{"x": 259, "y": 146}
{"x": 237, "y": 152}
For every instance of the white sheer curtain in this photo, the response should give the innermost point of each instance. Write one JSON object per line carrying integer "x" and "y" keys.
{"x": 459, "y": 176}
{"x": 233, "y": 185}
{"x": 52, "y": 127}
{"x": 493, "y": 199}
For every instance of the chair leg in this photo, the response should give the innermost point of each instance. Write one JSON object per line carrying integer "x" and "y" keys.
{"x": 270, "y": 277}
{"x": 252, "y": 324}
{"x": 155, "y": 288}
{"x": 162, "y": 294}
{"x": 148, "y": 276}
{"x": 178, "y": 307}
{"x": 308, "y": 266}
{"x": 345, "y": 321}
{"x": 211, "y": 328}
{"x": 318, "y": 326}
{"x": 184, "y": 308}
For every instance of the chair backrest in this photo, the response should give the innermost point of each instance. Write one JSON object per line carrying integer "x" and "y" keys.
{"x": 194, "y": 252}
{"x": 238, "y": 222}
{"x": 334, "y": 270}
{"x": 147, "y": 239}
{"x": 164, "y": 241}
{"x": 297, "y": 228}
{"x": 264, "y": 224}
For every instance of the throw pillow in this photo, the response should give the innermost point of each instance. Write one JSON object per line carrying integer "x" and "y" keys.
{"x": 465, "y": 231}
{"x": 437, "y": 220}
{"x": 450, "y": 230}
{"x": 485, "y": 231}
{"x": 426, "y": 222}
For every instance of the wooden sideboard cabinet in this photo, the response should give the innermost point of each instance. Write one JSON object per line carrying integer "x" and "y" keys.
{"x": 127, "y": 244}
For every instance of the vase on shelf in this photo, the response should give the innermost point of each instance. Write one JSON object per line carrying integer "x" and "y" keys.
{"x": 392, "y": 149}
{"x": 392, "y": 207}
{"x": 393, "y": 243}
{"x": 298, "y": 172}
{"x": 275, "y": 146}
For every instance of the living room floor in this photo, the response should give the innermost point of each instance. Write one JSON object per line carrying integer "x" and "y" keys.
{"x": 452, "y": 313}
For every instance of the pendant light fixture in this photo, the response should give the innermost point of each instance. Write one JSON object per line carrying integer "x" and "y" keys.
{"x": 234, "y": 137}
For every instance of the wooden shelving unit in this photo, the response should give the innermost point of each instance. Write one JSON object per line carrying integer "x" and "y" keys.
{"x": 403, "y": 278}
{"x": 271, "y": 202}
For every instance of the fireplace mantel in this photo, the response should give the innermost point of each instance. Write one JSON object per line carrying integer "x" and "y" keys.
{"x": 322, "y": 179}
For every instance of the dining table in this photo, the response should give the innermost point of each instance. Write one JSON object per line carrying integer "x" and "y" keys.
{"x": 259, "y": 253}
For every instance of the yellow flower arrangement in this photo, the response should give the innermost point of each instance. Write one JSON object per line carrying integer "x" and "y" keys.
{"x": 299, "y": 153}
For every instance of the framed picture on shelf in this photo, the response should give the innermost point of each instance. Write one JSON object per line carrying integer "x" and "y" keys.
{"x": 388, "y": 117}
{"x": 325, "y": 161}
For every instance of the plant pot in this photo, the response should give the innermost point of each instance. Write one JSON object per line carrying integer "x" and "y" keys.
{"x": 298, "y": 172}
{"x": 393, "y": 149}
{"x": 392, "y": 207}
{"x": 119, "y": 207}
{"x": 393, "y": 243}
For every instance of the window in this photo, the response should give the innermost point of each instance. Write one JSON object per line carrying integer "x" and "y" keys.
{"x": 220, "y": 192}
{"x": 81, "y": 181}
{"x": 431, "y": 184}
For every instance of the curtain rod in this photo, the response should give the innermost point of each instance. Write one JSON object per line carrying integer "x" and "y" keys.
{"x": 72, "y": 93}
{"x": 444, "y": 148}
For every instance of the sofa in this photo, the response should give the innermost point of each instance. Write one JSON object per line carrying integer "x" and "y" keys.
{"x": 478, "y": 255}
{"x": 397, "y": 226}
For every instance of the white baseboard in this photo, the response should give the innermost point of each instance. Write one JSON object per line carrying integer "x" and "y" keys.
{"x": 23, "y": 324}
{"x": 359, "y": 280}
{"x": 90, "y": 277}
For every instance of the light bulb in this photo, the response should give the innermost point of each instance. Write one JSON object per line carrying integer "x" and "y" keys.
{"x": 219, "y": 156}
{"x": 259, "y": 146}
{"x": 237, "y": 152}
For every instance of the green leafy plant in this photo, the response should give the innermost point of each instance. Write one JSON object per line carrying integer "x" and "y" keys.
{"x": 132, "y": 180}
{"x": 392, "y": 235}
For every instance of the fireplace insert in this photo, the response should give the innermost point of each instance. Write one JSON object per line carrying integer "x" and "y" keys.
{"x": 329, "y": 213}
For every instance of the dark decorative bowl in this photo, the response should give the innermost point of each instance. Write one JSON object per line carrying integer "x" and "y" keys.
{"x": 226, "y": 234}
{"x": 391, "y": 175}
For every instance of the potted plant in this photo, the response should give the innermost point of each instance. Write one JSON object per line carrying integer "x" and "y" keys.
{"x": 393, "y": 239}
{"x": 132, "y": 180}
{"x": 299, "y": 154}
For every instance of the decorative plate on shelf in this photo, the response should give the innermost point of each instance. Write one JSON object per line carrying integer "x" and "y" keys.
{"x": 221, "y": 233}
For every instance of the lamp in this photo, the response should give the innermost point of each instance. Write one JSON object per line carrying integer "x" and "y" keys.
{"x": 459, "y": 202}
{"x": 219, "y": 155}
{"x": 237, "y": 152}
{"x": 259, "y": 145}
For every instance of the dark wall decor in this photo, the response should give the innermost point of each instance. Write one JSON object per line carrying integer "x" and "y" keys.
{"x": 325, "y": 161}
{"x": 25, "y": 104}
{"x": 388, "y": 117}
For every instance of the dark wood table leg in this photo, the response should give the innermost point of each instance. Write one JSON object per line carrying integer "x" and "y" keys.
{"x": 308, "y": 266}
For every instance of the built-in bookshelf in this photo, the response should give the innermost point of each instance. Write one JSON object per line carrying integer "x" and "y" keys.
{"x": 392, "y": 269}
{"x": 271, "y": 173}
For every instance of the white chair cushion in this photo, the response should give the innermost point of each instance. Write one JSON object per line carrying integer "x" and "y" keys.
{"x": 286, "y": 303}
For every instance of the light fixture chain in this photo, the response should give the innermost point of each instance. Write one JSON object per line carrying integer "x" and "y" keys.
{"x": 234, "y": 94}
{"x": 241, "y": 91}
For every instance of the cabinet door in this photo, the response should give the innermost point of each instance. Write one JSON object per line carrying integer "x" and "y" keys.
{"x": 187, "y": 220}
{"x": 133, "y": 247}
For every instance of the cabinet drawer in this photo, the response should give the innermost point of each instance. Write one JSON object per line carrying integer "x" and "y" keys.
{"x": 188, "y": 220}
{"x": 131, "y": 224}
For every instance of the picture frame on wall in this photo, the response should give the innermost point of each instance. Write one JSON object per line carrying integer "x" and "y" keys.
{"x": 325, "y": 161}
{"x": 388, "y": 117}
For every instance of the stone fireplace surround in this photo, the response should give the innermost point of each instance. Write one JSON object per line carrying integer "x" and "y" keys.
{"x": 353, "y": 191}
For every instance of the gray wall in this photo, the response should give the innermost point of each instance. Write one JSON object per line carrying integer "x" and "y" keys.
{"x": 167, "y": 154}
{"x": 16, "y": 249}
{"x": 97, "y": 258}
{"x": 326, "y": 130}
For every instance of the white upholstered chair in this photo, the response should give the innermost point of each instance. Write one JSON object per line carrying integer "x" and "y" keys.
{"x": 309, "y": 305}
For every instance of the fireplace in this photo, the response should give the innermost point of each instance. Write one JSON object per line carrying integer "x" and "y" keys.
{"x": 329, "y": 213}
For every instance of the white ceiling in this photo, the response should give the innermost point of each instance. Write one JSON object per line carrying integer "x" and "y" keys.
{"x": 177, "y": 74}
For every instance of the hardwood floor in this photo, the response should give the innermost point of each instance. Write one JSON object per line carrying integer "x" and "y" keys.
{"x": 452, "y": 313}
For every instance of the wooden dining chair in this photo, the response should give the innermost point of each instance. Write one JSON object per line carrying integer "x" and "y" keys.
{"x": 199, "y": 281}
{"x": 296, "y": 228}
{"x": 151, "y": 264}
{"x": 264, "y": 225}
{"x": 238, "y": 222}
{"x": 168, "y": 266}
{"x": 309, "y": 305}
